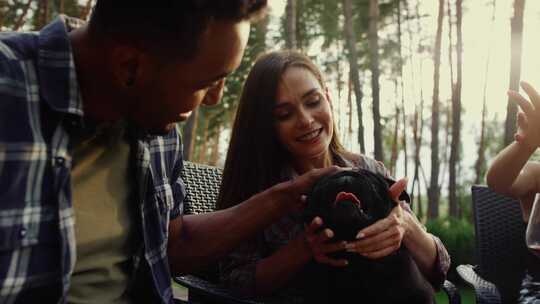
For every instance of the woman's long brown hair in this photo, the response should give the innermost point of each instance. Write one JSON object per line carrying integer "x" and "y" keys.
{"x": 256, "y": 158}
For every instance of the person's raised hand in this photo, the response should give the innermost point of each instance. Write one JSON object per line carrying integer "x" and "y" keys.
{"x": 528, "y": 119}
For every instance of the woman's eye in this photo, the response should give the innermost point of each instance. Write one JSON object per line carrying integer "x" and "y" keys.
{"x": 282, "y": 116}
{"x": 314, "y": 101}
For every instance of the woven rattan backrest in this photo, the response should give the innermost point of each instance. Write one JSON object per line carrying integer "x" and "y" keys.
{"x": 500, "y": 240}
{"x": 202, "y": 187}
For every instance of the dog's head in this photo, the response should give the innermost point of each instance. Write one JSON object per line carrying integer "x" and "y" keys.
{"x": 349, "y": 201}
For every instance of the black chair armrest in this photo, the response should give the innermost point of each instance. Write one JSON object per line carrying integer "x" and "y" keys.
{"x": 202, "y": 291}
{"x": 452, "y": 292}
{"x": 486, "y": 292}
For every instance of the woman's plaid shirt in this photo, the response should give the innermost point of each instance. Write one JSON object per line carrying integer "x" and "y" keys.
{"x": 39, "y": 103}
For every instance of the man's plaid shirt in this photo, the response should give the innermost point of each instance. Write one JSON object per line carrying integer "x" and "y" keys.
{"x": 40, "y": 102}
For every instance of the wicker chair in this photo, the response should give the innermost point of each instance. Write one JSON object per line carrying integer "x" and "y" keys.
{"x": 501, "y": 252}
{"x": 202, "y": 186}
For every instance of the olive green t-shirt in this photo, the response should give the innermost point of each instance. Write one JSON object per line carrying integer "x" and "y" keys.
{"x": 103, "y": 221}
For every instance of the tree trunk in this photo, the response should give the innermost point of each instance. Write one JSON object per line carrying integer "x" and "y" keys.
{"x": 394, "y": 149}
{"x": 515, "y": 68}
{"x": 350, "y": 39}
{"x": 349, "y": 104}
{"x": 404, "y": 116}
{"x": 291, "y": 42}
{"x": 456, "y": 118}
{"x": 261, "y": 29}
{"x": 417, "y": 123}
{"x": 434, "y": 188}
{"x": 480, "y": 164}
{"x": 373, "y": 40}
{"x": 202, "y": 156}
{"x": 189, "y": 132}
{"x": 3, "y": 9}
{"x": 339, "y": 75}
{"x": 446, "y": 110}
{"x": 417, "y": 136}
{"x": 45, "y": 12}
{"x": 215, "y": 148}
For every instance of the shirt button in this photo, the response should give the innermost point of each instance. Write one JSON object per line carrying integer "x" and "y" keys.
{"x": 22, "y": 233}
{"x": 59, "y": 161}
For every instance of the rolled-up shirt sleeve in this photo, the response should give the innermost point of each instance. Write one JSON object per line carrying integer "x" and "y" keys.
{"x": 442, "y": 264}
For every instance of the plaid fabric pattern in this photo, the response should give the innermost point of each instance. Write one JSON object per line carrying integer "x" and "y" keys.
{"x": 40, "y": 102}
{"x": 530, "y": 291}
{"x": 238, "y": 268}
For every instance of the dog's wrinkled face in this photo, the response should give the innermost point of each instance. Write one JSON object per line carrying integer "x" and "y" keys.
{"x": 349, "y": 201}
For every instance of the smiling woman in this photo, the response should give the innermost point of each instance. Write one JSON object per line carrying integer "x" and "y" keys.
{"x": 284, "y": 128}
{"x": 303, "y": 118}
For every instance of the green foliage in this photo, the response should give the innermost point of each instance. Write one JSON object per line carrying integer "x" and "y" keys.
{"x": 12, "y": 11}
{"x": 458, "y": 237}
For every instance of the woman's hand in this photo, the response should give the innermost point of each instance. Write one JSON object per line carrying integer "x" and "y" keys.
{"x": 528, "y": 121}
{"x": 320, "y": 245}
{"x": 384, "y": 236}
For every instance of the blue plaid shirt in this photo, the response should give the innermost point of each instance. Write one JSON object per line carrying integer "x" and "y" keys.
{"x": 40, "y": 102}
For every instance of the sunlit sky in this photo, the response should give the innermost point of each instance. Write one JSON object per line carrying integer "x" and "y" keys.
{"x": 479, "y": 38}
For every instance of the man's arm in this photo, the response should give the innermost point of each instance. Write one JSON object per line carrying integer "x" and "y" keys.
{"x": 197, "y": 240}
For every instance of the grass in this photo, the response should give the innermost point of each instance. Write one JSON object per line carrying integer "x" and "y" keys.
{"x": 466, "y": 293}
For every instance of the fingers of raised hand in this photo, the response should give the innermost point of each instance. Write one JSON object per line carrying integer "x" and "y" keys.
{"x": 521, "y": 121}
{"x": 525, "y": 105}
{"x": 533, "y": 94}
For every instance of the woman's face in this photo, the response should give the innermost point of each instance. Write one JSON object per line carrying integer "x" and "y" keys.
{"x": 302, "y": 115}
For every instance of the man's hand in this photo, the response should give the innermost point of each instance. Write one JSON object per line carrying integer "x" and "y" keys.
{"x": 320, "y": 244}
{"x": 384, "y": 236}
{"x": 292, "y": 192}
{"x": 528, "y": 121}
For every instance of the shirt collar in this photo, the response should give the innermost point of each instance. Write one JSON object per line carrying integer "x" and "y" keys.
{"x": 56, "y": 67}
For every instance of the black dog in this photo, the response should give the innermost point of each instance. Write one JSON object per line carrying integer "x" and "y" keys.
{"x": 348, "y": 202}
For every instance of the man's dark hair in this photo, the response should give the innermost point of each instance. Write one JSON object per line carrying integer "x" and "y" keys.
{"x": 168, "y": 24}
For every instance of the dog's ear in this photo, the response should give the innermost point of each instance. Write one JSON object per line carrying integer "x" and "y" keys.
{"x": 403, "y": 196}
